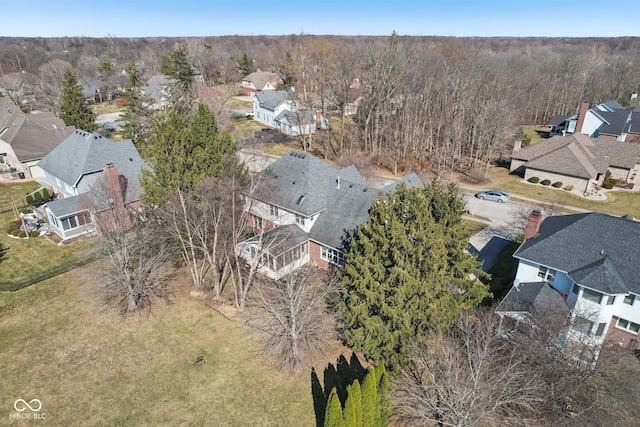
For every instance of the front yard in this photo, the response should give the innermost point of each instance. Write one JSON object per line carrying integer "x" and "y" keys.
{"x": 617, "y": 203}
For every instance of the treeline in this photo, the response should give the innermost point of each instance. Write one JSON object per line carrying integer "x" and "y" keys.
{"x": 424, "y": 102}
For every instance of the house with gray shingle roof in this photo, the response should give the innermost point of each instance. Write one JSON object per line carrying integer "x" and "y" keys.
{"x": 576, "y": 160}
{"x": 279, "y": 109}
{"x": 608, "y": 120}
{"x": 591, "y": 260}
{"x": 26, "y": 138}
{"x": 302, "y": 211}
{"x": 77, "y": 168}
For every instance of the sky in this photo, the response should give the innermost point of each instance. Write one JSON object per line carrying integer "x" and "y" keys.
{"x": 183, "y": 18}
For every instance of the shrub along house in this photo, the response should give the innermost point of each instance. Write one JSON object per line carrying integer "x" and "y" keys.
{"x": 590, "y": 260}
{"x": 576, "y": 160}
{"x": 78, "y": 170}
{"x": 302, "y": 211}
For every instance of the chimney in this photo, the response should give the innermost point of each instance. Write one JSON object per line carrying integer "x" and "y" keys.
{"x": 113, "y": 185}
{"x": 581, "y": 116}
{"x": 533, "y": 224}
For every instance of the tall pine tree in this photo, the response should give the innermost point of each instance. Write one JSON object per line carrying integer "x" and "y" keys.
{"x": 333, "y": 414}
{"x": 138, "y": 116}
{"x": 407, "y": 270}
{"x": 72, "y": 109}
{"x": 182, "y": 152}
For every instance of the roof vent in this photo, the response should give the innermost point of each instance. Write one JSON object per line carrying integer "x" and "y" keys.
{"x": 301, "y": 199}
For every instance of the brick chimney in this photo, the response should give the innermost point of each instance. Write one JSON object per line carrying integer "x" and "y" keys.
{"x": 113, "y": 185}
{"x": 533, "y": 224}
{"x": 584, "y": 107}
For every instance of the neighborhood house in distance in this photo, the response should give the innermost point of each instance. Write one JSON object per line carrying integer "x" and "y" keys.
{"x": 302, "y": 211}
{"x": 75, "y": 170}
{"x": 26, "y": 138}
{"x": 586, "y": 263}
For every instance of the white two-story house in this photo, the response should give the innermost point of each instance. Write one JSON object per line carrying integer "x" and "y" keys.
{"x": 590, "y": 259}
{"x": 278, "y": 109}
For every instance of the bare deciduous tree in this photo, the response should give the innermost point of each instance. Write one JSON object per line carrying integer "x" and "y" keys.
{"x": 137, "y": 272}
{"x": 292, "y": 319}
{"x": 468, "y": 376}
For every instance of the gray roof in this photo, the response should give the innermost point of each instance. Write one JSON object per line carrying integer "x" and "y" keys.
{"x": 272, "y": 98}
{"x": 597, "y": 251}
{"x": 90, "y": 85}
{"x": 279, "y": 240}
{"x": 84, "y": 153}
{"x": 296, "y": 118}
{"x": 341, "y": 198}
{"x": 532, "y": 297}
{"x": 69, "y": 205}
{"x": 31, "y": 136}
{"x": 578, "y": 155}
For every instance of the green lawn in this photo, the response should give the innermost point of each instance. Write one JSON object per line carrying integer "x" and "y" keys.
{"x": 91, "y": 367}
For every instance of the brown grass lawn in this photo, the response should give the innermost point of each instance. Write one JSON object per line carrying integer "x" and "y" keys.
{"x": 90, "y": 367}
{"x": 32, "y": 256}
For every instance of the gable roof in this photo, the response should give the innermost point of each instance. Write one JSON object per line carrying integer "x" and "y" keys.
{"x": 303, "y": 184}
{"x": 261, "y": 78}
{"x": 84, "y": 153}
{"x": 597, "y": 251}
{"x": 31, "y": 136}
{"x": 578, "y": 155}
{"x": 272, "y": 98}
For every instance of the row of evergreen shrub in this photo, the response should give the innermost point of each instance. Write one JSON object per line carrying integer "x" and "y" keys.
{"x": 546, "y": 182}
{"x": 38, "y": 197}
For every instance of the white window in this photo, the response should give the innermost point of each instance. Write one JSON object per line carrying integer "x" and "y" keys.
{"x": 334, "y": 256}
{"x": 582, "y": 325}
{"x": 273, "y": 210}
{"x": 611, "y": 299}
{"x": 629, "y": 299}
{"x": 600, "y": 329}
{"x": 592, "y": 296}
{"x": 257, "y": 222}
{"x": 301, "y": 220}
{"x": 630, "y": 326}
{"x": 546, "y": 273}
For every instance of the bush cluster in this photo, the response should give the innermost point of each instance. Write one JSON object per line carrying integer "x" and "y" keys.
{"x": 557, "y": 184}
{"x": 14, "y": 226}
{"x": 545, "y": 182}
{"x": 609, "y": 182}
{"x": 534, "y": 180}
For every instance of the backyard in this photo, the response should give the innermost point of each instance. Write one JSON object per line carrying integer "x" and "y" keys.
{"x": 32, "y": 258}
{"x": 89, "y": 366}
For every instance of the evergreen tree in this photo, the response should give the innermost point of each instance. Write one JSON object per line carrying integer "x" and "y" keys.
{"x": 182, "y": 153}
{"x": 137, "y": 117}
{"x": 407, "y": 270}
{"x": 72, "y": 109}
{"x": 244, "y": 64}
{"x": 370, "y": 400}
{"x": 350, "y": 411}
{"x": 384, "y": 393}
{"x": 177, "y": 66}
{"x": 355, "y": 395}
{"x": 333, "y": 415}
